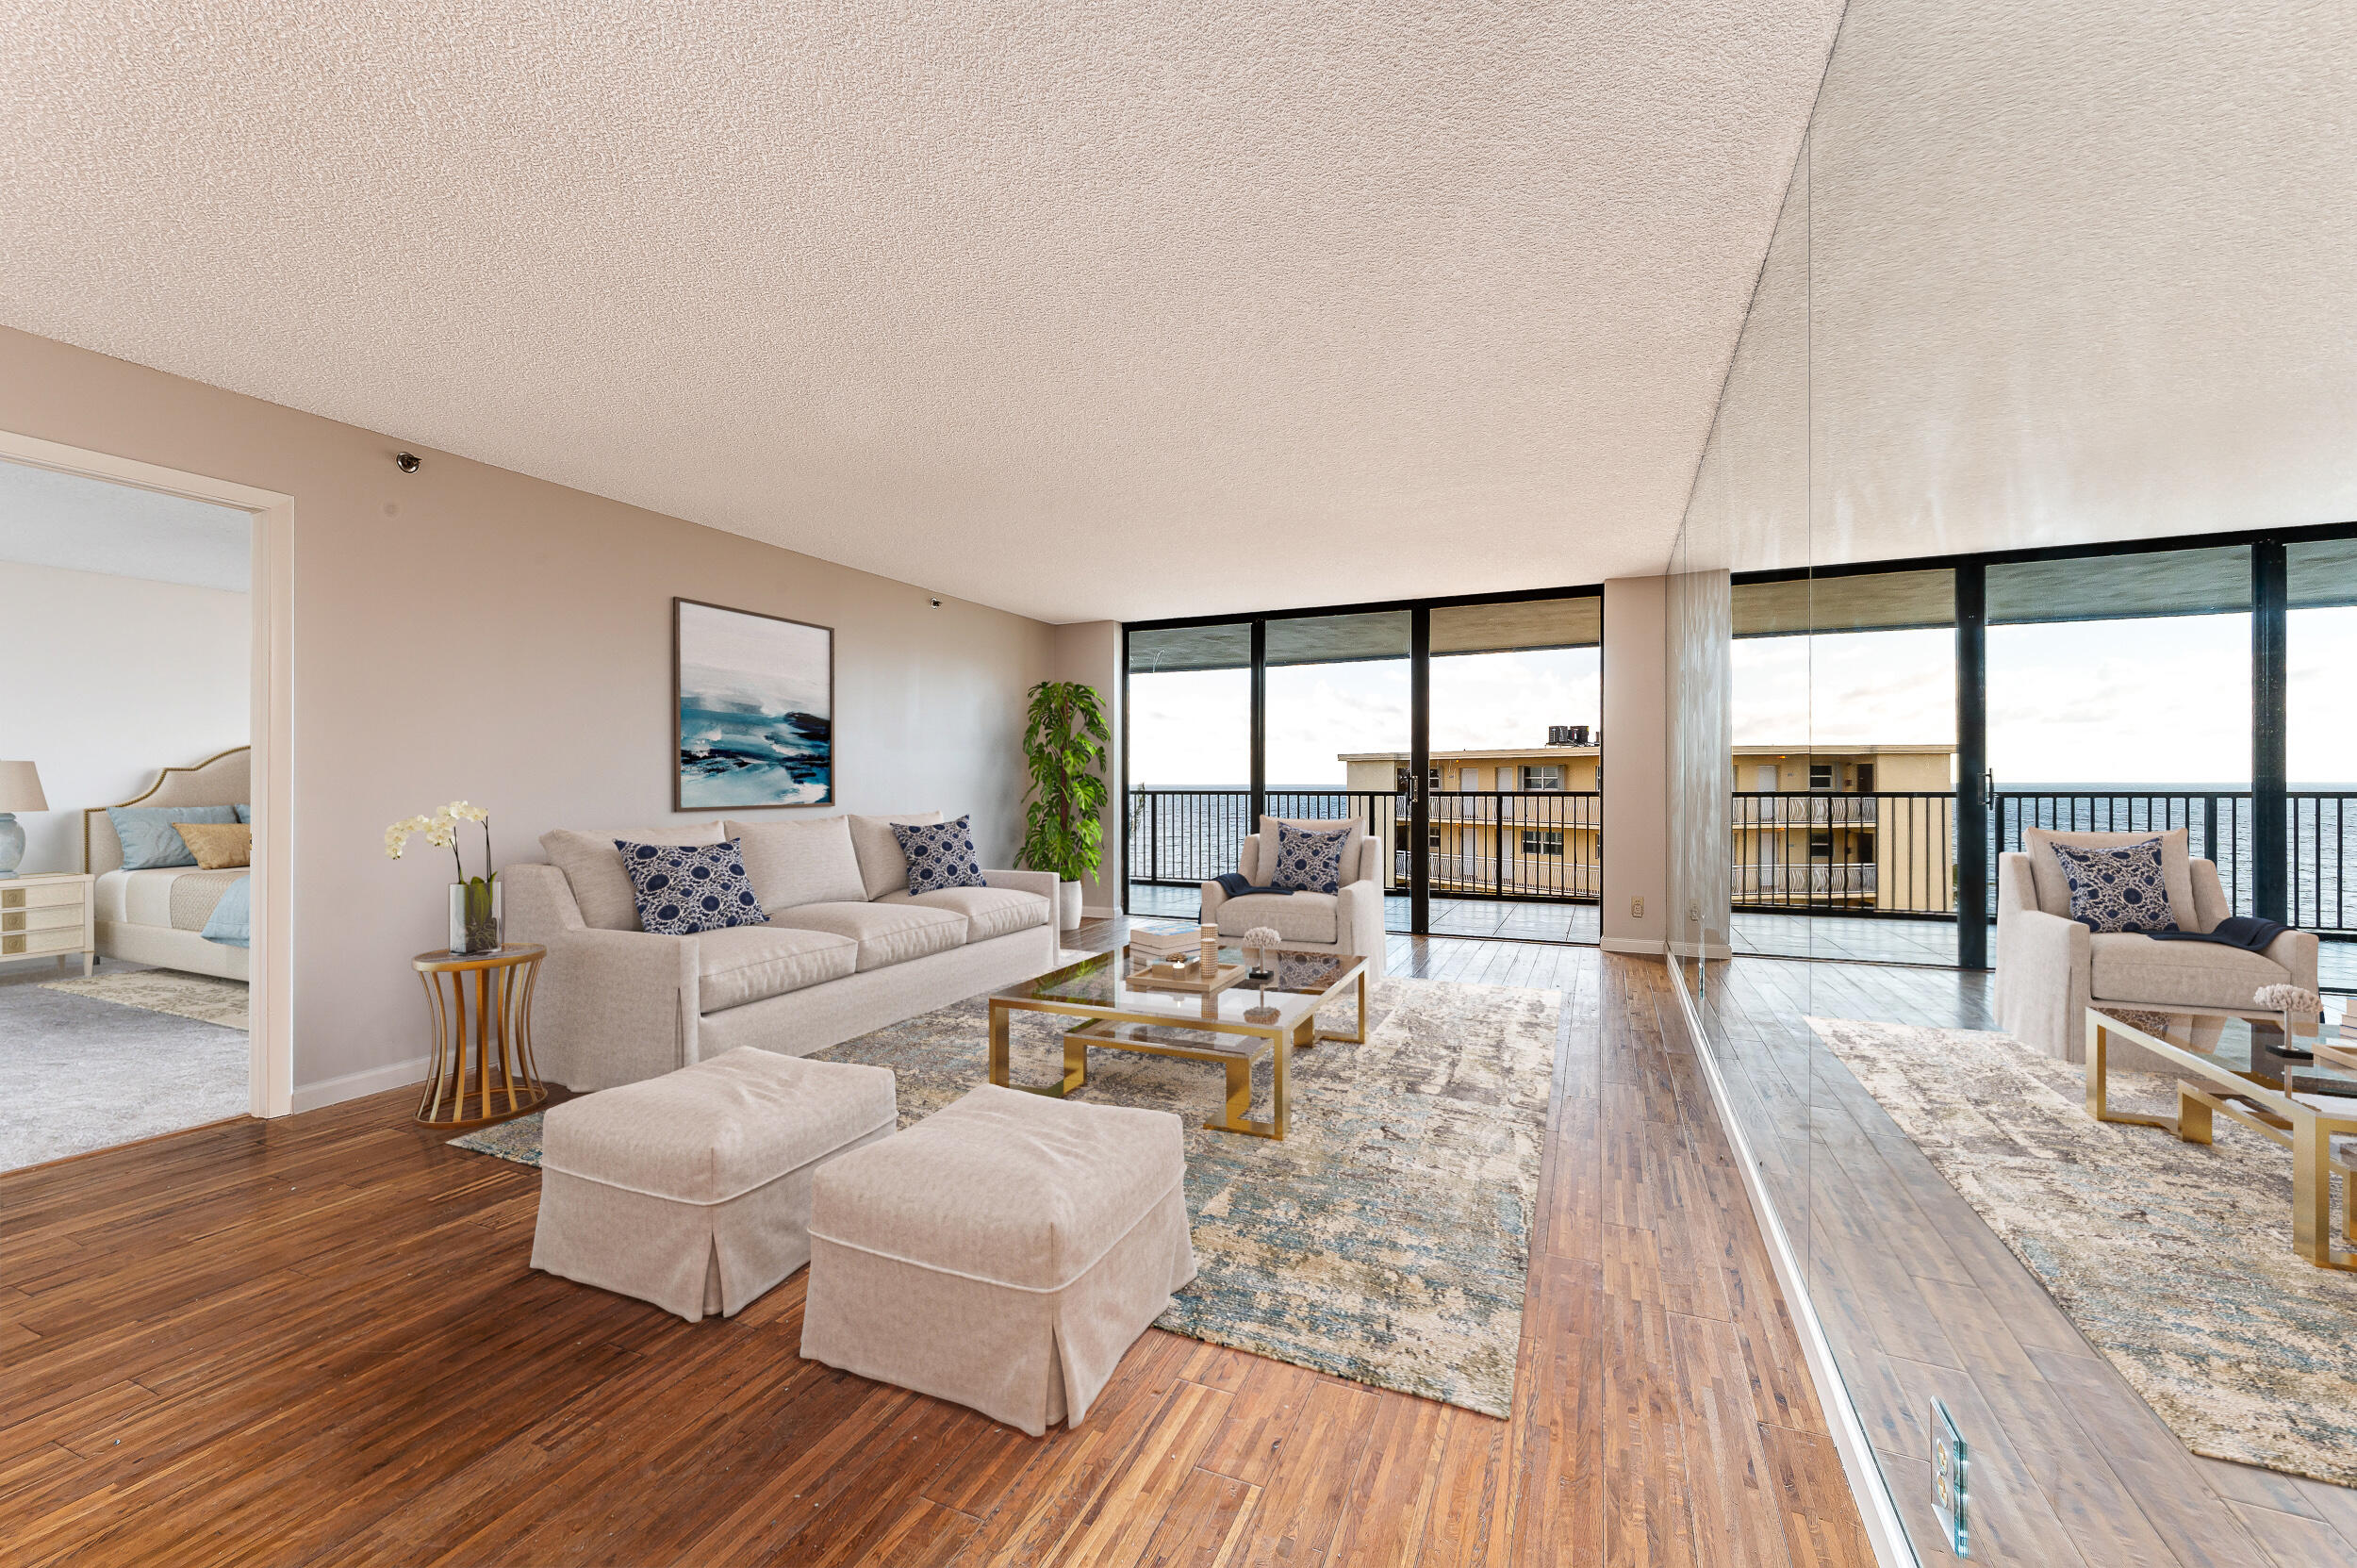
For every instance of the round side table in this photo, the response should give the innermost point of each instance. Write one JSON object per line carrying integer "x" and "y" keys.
{"x": 483, "y": 999}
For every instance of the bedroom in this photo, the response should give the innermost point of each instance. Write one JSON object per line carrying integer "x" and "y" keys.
{"x": 123, "y": 995}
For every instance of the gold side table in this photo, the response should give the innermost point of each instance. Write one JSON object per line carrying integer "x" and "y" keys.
{"x": 483, "y": 999}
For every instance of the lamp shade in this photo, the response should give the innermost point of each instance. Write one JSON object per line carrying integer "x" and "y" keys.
{"x": 20, "y": 788}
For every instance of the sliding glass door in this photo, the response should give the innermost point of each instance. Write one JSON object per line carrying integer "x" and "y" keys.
{"x": 1463, "y": 733}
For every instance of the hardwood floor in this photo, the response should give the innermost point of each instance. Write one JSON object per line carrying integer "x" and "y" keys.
{"x": 316, "y": 1340}
{"x": 1919, "y": 1299}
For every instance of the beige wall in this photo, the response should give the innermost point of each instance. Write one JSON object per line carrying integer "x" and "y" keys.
{"x": 1636, "y": 762}
{"x": 117, "y": 677}
{"x": 1089, "y": 651}
{"x": 466, "y": 631}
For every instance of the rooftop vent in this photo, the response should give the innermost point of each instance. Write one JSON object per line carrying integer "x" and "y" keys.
{"x": 1567, "y": 735}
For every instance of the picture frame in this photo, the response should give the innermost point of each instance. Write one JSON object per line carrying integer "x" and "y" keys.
{"x": 753, "y": 709}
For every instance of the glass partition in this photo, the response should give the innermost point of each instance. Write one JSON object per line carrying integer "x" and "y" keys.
{"x": 1338, "y": 727}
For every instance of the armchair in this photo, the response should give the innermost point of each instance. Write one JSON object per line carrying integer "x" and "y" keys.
{"x": 1349, "y": 921}
{"x": 2051, "y": 968}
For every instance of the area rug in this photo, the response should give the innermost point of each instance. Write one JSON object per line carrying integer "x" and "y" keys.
{"x": 184, "y": 996}
{"x": 77, "y": 1075}
{"x": 2174, "y": 1258}
{"x": 1386, "y": 1240}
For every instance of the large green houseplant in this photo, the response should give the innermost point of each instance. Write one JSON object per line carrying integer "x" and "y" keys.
{"x": 1064, "y": 745}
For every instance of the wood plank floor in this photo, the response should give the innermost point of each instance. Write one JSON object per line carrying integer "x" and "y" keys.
{"x": 1921, "y": 1300}
{"x": 316, "y": 1340}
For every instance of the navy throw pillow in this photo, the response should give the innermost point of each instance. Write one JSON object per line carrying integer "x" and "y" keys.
{"x": 1309, "y": 862}
{"x": 2118, "y": 889}
{"x": 687, "y": 888}
{"x": 940, "y": 854}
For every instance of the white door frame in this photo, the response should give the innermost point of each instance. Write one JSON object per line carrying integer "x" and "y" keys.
{"x": 270, "y": 964}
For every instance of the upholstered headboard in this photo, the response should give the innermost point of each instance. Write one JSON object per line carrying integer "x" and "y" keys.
{"x": 222, "y": 781}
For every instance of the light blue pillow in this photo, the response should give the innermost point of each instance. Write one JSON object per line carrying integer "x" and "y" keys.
{"x": 232, "y": 922}
{"x": 245, "y": 812}
{"x": 148, "y": 839}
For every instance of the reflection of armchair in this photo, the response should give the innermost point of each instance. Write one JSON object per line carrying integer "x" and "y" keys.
{"x": 1350, "y": 921}
{"x": 2051, "y": 968}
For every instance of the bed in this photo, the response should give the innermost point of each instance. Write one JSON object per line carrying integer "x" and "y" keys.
{"x": 158, "y": 917}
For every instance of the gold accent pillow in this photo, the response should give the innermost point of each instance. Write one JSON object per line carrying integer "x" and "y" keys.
{"x": 217, "y": 845}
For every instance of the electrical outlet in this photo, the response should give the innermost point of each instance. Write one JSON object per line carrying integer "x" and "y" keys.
{"x": 1637, "y": 909}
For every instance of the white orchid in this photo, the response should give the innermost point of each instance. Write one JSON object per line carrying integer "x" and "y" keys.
{"x": 461, "y": 810}
{"x": 441, "y": 830}
{"x": 396, "y": 836}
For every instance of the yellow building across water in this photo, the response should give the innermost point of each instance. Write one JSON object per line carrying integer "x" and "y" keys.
{"x": 1870, "y": 827}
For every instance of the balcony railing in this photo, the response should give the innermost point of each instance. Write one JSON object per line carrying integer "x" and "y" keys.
{"x": 1884, "y": 853}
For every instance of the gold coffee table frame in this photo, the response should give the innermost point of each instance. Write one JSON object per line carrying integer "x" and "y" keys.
{"x": 1119, "y": 1022}
{"x": 2272, "y": 1111}
{"x": 500, "y": 1031}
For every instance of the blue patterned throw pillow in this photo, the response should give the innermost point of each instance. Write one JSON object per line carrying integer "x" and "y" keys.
{"x": 687, "y": 888}
{"x": 1309, "y": 862}
{"x": 940, "y": 854}
{"x": 2117, "y": 890}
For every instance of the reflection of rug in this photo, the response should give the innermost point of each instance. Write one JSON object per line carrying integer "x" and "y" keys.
{"x": 1386, "y": 1240}
{"x": 2174, "y": 1258}
{"x": 199, "y": 996}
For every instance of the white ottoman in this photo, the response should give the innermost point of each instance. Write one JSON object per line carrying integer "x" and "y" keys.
{"x": 1002, "y": 1253}
{"x": 692, "y": 1191}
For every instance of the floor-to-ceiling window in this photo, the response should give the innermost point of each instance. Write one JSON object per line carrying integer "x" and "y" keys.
{"x": 1189, "y": 723}
{"x": 2320, "y": 725}
{"x": 1463, "y": 733}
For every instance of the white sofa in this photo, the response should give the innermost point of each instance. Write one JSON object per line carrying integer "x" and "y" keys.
{"x": 1350, "y": 921}
{"x": 2050, "y": 967}
{"x": 848, "y": 947}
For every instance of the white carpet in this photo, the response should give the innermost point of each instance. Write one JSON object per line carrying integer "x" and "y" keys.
{"x": 80, "y": 1074}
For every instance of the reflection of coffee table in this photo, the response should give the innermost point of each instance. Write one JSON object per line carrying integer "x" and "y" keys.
{"x": 2301, "y": 1104}
{"x": 1190, "y": 1026}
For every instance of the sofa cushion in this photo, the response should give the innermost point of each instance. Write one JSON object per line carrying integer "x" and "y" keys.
{"x": 1308, "y": 862}
{"x": 883, "y": 868}
{"x": 2053, "y": 888}
{"x": 808, "y": 862}
{"x": 887, "y": 933}
{"x": 940, "y": 855}
{"x": 750, "y": 963}
{"x": 2122, "y": 889}
{"x": 2126, "y": 968}
{"x": 1265, "y": 843}
{"x": 1294, "y": 916}
{"x": 989, "y": 911}
{"x": 687, "y": 888}
{"x": 593, "y": 868}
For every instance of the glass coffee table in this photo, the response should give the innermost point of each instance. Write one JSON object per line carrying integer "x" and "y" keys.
{"x": 2302, "y": 1103}
{"x": 1188, "y": 1025}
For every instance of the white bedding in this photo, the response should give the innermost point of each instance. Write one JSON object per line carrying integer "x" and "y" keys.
{"x": 145, "y": 897}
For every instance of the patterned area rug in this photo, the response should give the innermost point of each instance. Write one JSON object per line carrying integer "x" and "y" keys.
{"x": 1387, "y": 1239}
{"x": 204, "y": 997}
{"x": 2174, "y": 1258}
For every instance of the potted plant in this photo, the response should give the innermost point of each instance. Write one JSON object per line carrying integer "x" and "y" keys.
{"x": 474, "y": 901}
{"x": 1064, "y": 746}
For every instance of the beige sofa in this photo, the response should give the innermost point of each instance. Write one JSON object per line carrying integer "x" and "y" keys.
{"x": 1350, "y": 921}
{"x": 2050, "y": 967}
{"x": 848, "y": 949}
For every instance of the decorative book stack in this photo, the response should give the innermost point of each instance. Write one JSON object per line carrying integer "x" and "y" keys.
{"x": 1181, "y": 960}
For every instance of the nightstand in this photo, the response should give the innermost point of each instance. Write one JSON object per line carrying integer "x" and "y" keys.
{"x": 49, "y": 912}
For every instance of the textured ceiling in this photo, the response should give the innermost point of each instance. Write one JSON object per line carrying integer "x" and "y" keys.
{"x": 2053, "y": 274}
{"x": 64, "y": 519}
{"x": 1073, "y": 309}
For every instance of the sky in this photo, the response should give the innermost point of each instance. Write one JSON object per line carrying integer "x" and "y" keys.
{"x": 2164, "y": 700}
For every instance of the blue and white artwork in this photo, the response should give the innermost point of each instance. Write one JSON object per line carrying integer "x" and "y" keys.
{"x": 756, "y": 709}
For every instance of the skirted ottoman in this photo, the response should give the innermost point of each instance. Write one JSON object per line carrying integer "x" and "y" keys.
{"x": 692, "y": 1191}
{"x": 1002, "y": 1253}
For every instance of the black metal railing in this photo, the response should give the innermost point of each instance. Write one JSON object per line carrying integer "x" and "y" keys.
{"x": 2217, "y": 824}
{"x": 1882, "y": 853}
{"x": 1540, "y": 845}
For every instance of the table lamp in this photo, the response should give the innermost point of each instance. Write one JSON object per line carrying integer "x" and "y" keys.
{"x": 19, "y": 790}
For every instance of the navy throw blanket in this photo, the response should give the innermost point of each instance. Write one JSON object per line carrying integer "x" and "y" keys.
{"x": 1233, "y": 884}
{"x": 2246, "y": 931}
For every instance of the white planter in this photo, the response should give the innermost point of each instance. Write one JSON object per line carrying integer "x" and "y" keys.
{"x": 1068, "y": 907}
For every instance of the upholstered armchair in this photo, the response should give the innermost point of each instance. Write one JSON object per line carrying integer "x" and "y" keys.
{"x": 2050, "y": 967}
{"x": 1350, "y": 921}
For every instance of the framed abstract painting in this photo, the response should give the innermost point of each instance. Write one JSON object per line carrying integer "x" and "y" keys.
{"x": 755, "y": 699}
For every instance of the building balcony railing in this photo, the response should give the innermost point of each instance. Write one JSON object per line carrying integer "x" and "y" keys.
{"x": 1891, "y": 852}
